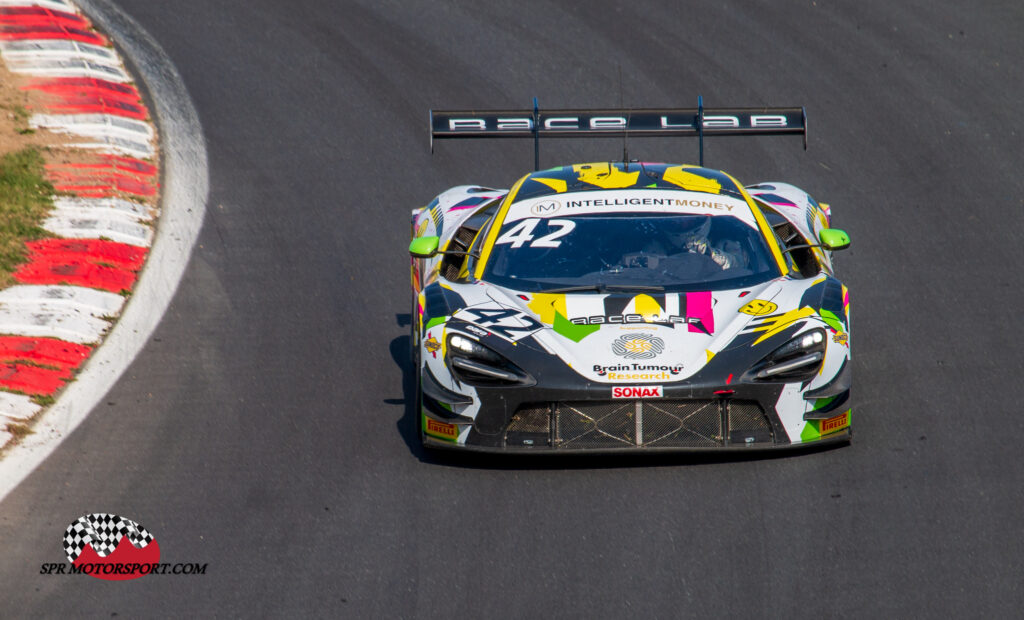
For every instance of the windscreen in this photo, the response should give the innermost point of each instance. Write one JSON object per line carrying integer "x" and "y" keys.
{"x": 669, "y": 251}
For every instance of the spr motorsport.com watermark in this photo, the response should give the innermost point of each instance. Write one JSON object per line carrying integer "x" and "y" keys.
{"x": 110, "y": 547}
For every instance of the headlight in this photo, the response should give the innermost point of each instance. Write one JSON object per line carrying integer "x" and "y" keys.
{"x": 797, "y": 360}
{"x": 476, "y": 364}
{"x": 461, "y": 345}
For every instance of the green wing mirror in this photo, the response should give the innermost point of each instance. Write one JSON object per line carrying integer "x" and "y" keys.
{"x": 834, "y": 239}
{"x": 423, "y": 247}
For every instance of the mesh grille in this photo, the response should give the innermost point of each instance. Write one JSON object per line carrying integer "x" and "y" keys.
{"x": 747, "y": 423}
{"x": 450, "y": 271}
{"x": 787, "y": 232}
{"x": 596, "y": 425}
{"x": 452, "y": 264}
{"x": 531, "y": 419}
{"x": 465, "y": 236}
{"x": 697, "y": 422}
{"x": 530, "y": 427}
{"x": 679, "y": 423}
{"x": 804, "y": 257}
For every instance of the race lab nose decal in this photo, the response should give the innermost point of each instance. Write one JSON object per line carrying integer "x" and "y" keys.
{"x": 100, "y": 540}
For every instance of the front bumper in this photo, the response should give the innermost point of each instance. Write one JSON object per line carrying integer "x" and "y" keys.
{"x": 584, "y": 418}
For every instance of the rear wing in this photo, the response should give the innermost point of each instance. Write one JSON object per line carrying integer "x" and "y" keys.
{"x": 614, "y": 123}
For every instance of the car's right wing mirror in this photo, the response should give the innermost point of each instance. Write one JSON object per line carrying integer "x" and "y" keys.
{"x": 423, "y": 247}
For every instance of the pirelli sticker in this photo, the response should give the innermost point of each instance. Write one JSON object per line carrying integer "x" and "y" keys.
{"x": 440, "y": 430}
{"x": 837, "y": 423}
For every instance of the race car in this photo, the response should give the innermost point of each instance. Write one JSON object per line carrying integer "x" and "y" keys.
{"x": 627, "y": 305}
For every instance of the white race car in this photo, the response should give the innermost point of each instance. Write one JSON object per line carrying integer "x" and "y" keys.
{"x": 627, "y": 306}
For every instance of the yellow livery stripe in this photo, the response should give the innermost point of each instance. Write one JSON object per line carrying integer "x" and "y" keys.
{"x": 766, "y": 230}
{"x": 492, "y": 235}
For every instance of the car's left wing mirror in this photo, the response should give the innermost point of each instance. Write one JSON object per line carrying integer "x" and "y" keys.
{"x": 834, "y": 239}
{"x": 424, "y": 247}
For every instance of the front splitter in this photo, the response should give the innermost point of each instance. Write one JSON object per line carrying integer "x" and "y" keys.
{"x": 841, "y": 437}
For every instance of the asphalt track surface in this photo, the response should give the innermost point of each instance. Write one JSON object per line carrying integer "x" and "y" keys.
{"x": 266, "y": 429}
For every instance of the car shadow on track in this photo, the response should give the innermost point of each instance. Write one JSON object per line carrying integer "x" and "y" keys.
{"x": 408, "y": 429}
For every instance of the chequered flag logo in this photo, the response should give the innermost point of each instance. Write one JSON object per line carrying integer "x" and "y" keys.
{"x": 103, "y": 532}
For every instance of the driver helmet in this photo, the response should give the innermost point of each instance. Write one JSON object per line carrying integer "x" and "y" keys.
{"x": 692, "y": 234}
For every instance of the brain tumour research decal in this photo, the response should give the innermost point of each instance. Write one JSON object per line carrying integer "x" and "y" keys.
{"x": 110, "y": 547}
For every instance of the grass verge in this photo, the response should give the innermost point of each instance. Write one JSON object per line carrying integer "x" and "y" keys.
{"x": 25, "y": 199}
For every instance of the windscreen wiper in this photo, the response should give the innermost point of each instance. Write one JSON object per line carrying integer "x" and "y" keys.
{"x": 600, "y": 287}
{"x": 632, "y": 288}
{"x": 575, "y": 289}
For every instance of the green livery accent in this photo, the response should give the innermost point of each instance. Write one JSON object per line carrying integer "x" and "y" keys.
{"x": 570, "y": 330}
{"x": 423, "y": 247}
{"x": 833, "y": 321}
{"x": 821, "y": 403}
{"x": 810, "y": 432}
{"x": 834, "y": 239}
{"x": 437, "y": 320}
